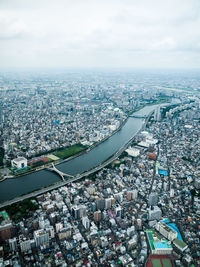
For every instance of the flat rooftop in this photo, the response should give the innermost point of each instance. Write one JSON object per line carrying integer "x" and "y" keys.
{"x": 19, "y": 159}
{"x": 180, "y": 243}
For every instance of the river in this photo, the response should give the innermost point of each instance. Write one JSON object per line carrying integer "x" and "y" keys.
{"x": 11, "y": 188}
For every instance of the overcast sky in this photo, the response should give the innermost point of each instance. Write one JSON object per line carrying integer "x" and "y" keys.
{"x": 100, "y": 33}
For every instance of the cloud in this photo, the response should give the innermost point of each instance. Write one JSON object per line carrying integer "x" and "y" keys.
{"x": 11, "y": 26}
{"x": 99, "y": 33}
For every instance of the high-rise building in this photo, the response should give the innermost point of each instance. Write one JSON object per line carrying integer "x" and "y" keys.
{"x": 59, "y": 226}
{"x": 78, "y": 211}
{"x": 108, "y": 203}
{"x": 165, "y": 185}
{"x": 25, "y": 244}
{"x": 100, "y": 203}
{"x": 118, "y": 211}
{"x": 13, "y": 244}
{"x": 97, "y": 216}
{"x": 129, "y": 195}
{"x": 172, "y": 192}
{"x": 41, "y": 237}
{"x": 135, "y": 194}
{"x": 153, "y": 199}
{"x": 94, "y": 207}
{"x": 86, "y": 222}
{"x": 119, "y": 197}
{"x": 51, "y": 231}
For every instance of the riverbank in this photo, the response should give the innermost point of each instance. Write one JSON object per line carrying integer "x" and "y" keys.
{"x": 60, "y": 161}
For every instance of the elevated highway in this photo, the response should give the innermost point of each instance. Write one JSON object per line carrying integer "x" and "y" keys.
{"x": 139, "y": 116}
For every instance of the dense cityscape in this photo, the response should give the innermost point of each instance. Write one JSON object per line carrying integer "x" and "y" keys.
{"x": 99, "y": 133}
{"x": 142, "y": 209}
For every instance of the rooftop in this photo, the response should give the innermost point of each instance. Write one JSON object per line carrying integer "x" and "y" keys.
{"x": 180, "y": 243}
{"x": 4, "y": 218}
{"x": 19, "y": 159}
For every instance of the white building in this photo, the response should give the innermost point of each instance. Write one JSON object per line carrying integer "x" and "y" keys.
{"x": 86, "y": 222}
{"x": 118, "y": 212}
{"x": 133, "y": 152}
{"x": 135, "y": 194}
{"x": 155, "y": 213}
{"x": 166, "y": 231}
{"x": 25, "y": 245}
{"x": 19, "y": 163}
{"x": 41, "y": 237}
{"x": 108, "y": 203}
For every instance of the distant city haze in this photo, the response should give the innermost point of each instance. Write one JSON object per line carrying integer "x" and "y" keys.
{"x": 99, "y": 34}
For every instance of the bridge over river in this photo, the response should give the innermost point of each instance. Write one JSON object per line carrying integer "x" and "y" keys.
{"x": 62, "y": 174}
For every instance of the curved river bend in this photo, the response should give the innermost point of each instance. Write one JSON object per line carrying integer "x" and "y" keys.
{"x": 11, "y": 188}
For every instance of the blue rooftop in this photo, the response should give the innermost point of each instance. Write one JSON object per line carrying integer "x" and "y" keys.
{"x": 163, "y": 172}
{"x": 174, "y": 227}
{"x": 166, "y": 221}
{"x": 160, "y": 245}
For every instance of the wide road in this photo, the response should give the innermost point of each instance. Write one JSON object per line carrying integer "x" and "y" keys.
{"x": 78, "y": 176}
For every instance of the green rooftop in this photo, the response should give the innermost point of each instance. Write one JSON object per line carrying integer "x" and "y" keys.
{"x": 150, "y": 237}
{"x": 4, "y": 218}
{"x": 180, "y": 243}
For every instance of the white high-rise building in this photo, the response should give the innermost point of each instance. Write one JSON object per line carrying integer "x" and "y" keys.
{"x": 134, "y": 194}
{"x": 108, "y": 203}
{"x": 86, "y": 222}
{"x": 172, "y": 192}
{"x": 41, "y": 237}
{"x": 118, "y": 211}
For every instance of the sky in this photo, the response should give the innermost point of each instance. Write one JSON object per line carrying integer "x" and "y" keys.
{"x": 100, "y": 34}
